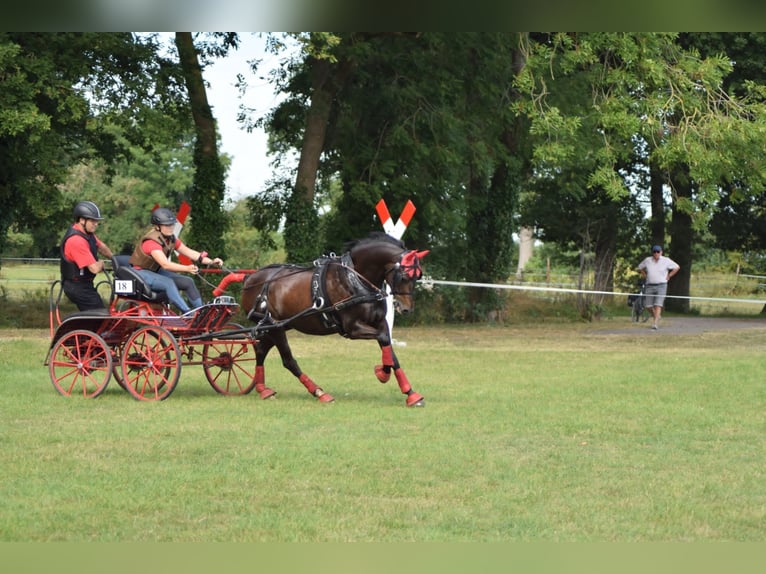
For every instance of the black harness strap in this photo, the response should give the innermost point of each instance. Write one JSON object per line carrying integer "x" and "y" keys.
{"x": 362, "y": 292}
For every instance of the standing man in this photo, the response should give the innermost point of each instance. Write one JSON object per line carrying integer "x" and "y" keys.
{"x": 657, "y": 271}
{"x": 80, "y": 248}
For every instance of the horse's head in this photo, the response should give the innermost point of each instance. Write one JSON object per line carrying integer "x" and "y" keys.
{"x": 380, "y": 258}
{"x": 401, "y": 278}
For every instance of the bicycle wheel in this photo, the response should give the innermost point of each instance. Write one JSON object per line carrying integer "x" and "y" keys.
{"x": 637, "y": 309}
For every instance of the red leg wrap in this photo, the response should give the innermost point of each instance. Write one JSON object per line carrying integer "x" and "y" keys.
{"x": 401, "y": 378}
{"x": 260, "y": 384}
{"x": 381, "y": 373}
{"x": 388, "y": 356}
{"x": 260, "y": 378}
{"x": 312, "y": 388}
{"x": 310, "y": 385}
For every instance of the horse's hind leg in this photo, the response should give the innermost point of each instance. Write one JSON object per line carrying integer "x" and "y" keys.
{"x": 262, "y": 348}
{"x": 289, "y": 362}
{"x": 383, "y": 373}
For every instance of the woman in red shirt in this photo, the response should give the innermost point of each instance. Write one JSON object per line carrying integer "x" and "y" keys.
{"x": 151, "y": 258}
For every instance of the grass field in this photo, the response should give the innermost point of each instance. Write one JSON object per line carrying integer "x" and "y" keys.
{"x": 543, "y": 432}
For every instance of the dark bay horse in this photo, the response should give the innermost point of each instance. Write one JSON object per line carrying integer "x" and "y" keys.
{"x": 339, "y": 294}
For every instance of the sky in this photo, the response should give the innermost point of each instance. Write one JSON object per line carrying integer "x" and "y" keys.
{"x": 249, "y": 167}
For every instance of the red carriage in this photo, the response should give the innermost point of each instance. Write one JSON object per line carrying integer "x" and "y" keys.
{"x": 142, "y": 344}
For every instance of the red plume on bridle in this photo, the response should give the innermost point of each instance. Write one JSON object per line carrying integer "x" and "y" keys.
{"x": 410, "y": 263}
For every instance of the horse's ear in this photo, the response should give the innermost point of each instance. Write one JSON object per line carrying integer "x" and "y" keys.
{"x": 422, "y": 254}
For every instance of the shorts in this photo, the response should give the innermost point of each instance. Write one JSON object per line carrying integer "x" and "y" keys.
{"x": 654, "y": 294}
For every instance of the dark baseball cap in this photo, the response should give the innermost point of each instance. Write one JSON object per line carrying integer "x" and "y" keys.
{"x": 656, "y": 248}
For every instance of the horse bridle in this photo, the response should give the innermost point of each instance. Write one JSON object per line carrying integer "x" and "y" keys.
{"x": 407, "y": 266}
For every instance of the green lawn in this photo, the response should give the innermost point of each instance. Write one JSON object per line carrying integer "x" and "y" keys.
{"x": 545, "y": 432}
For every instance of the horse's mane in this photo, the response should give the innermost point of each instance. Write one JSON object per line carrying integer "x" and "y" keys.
{"x": 373, "y": 237}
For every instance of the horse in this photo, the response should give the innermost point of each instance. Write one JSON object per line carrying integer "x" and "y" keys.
{"x": 342, "y": 295}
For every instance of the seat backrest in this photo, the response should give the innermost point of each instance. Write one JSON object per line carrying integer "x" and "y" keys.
{"x": 128, "y": 282}
{"x": 120, "y": 261}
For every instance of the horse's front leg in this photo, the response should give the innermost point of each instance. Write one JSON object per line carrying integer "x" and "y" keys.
{"x": 391, "y": 363}
{"x": 289, "y": 362}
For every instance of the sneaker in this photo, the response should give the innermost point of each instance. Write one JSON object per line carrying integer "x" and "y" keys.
{"x": 654, "y": 327}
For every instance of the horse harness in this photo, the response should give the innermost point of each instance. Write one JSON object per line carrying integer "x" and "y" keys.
{"x": 363, "y": 292}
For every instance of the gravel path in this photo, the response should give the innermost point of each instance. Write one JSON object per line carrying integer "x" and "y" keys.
{"x": 686, "y": 325}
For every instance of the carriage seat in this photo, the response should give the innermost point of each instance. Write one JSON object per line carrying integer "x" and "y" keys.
{"x": 128, "y": 282}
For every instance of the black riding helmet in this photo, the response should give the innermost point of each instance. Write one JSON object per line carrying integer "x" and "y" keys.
{"x": 163, "y": 216}
{"x": 88, "y": 210}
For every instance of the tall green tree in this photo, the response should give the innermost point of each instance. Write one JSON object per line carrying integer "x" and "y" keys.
{"x": 650, "y": 99}
{"x": 422, "y": 117}
{"x": 737, "y": 220}
{"x": 67, "y": 98}
{"x": 209, "y": 186}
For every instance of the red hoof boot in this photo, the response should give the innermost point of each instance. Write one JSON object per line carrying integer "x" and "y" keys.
{"x": 381, "y": 373}
{"x": 415, "y": 400}
{"x": 325, "y": 398}
{"x": 267, "y": 393}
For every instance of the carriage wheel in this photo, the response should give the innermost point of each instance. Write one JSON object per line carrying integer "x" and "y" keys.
{"x": 230, "y": 364}
{"x": 81, "y": 364}
{"x": 151, "y": 364}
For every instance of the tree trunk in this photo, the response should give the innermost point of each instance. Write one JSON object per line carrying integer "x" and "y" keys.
{"x": 682, "y": 235}
{"x": 526, "y": 244}
{"x": 316, "y": 128}
{"x": 603, "y": 265}
{"x": 208, "y": 186}
{"x": 301, "y": 224}
{"x": 656, "y": 190}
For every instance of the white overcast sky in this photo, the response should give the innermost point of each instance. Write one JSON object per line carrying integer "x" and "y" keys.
{"x": 249, "y": 167}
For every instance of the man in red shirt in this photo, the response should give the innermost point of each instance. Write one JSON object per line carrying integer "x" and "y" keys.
{"x": 80, "y": 248}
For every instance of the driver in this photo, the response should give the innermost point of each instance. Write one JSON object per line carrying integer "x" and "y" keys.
{"x": 151, "y": 258}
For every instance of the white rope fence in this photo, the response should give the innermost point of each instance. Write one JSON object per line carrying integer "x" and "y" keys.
{"x": 427, "y": 282}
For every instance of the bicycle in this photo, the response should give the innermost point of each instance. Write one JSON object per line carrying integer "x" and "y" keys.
{"x": 639, "y": 312}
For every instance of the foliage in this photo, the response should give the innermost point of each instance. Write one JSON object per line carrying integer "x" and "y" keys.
{"x": 247, "y": 246}
{"x": 62, "y": 94}
{"x": 301, "y": 228}
{"x": 413, "y": 116}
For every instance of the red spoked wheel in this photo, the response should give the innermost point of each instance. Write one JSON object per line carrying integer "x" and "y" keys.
{"x": 80, "y": 364}
{"x": 151, "y": 364}
{"x": 230, "y": 364}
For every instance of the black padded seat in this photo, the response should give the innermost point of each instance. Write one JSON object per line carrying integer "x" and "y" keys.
{"x": 123, "y": 270}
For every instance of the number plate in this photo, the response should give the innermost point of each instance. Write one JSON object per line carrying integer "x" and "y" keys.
{"x": 124, "y": 287}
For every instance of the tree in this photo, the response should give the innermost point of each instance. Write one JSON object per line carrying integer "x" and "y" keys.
{"x": 67, "y": 98}
{"x": 737, "y": 220}
{"x": 421, "y": 117}
{"x": 208, "y": 189}
{"x": 651, "y": 100}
